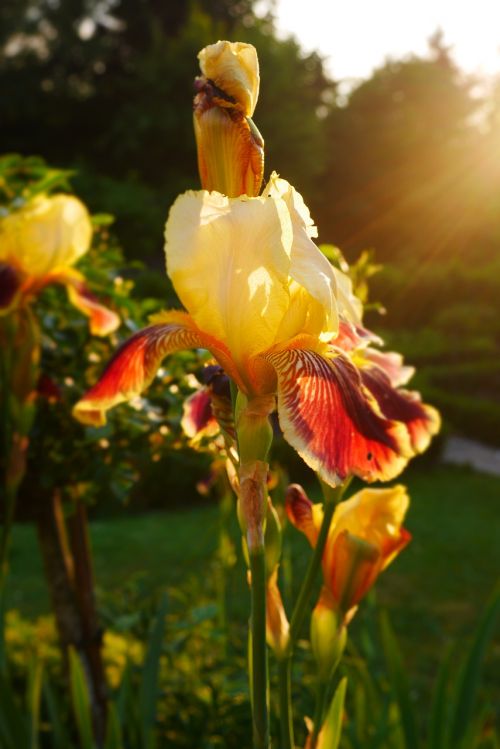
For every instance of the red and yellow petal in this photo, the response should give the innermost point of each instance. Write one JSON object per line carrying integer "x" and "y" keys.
{"x": 135, "y": 364}
{"x": 198, "y": 419}
{"x": 301, "y": 512}
{"x": 102, "y": 321}
{"x": 355, "y": 565}
{"x": 10, "y": 285}
{"x": 332, "y": 421}
{"x": 421, "y": 421}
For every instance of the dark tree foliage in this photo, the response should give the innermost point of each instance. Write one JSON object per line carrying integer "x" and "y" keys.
{"x": 404, "y": 161}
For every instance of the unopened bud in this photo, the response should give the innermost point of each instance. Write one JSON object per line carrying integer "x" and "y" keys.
{"x": 230, "y": 147}
{"x": 328, "y": 635}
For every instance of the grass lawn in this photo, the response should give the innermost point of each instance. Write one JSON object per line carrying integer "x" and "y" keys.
{"x": 434, "y": 591}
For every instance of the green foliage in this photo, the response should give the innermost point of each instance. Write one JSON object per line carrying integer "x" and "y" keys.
{"x": 201, "y": 701}
{"x": 98, "y": 465}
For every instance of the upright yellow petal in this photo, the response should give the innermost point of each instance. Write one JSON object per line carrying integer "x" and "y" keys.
{"x": 375, "y": 515}
{"x": 234, "y": 68}
{"x": 309, "y": 267}
{"x": 46, "y": 235}
{"x": 229, "y": 260}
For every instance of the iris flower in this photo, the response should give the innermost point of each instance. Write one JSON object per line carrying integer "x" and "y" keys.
{"x": 39, "y": 245}
{"x": 365, "y": 535}
{"x": 263, "y": 299}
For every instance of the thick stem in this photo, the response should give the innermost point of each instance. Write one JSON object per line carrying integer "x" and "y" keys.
{"x": 63, "y": 581}
{"x": 258, "y": 650}
{"x": 285, "y": 693}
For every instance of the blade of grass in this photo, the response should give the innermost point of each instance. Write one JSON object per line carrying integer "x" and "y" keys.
{"x": 470, "y": 673}
{"x": 149, "y": 689}
{"x": 114, "y": 735}
{"x": 12, "y": 718}
{"x": 332, "y": 727}
{"x": 80, "y": 699}
{"x": 399, "y": 682}
{"x": 33, "y": 700}
{"x": 59, "y": 738}
{"x": 440, "y": 708}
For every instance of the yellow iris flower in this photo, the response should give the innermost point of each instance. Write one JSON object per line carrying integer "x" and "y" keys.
{"x": 39, "y": 244}
{"x": 266, "y": 303}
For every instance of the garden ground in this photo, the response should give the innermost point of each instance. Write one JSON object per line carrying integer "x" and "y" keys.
{"x": 434, "y": 592}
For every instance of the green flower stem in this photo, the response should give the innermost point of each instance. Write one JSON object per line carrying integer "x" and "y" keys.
{"x": 258, "y": 649}
{"x": 331, "y": 499}
{"x": 285, "y": 695}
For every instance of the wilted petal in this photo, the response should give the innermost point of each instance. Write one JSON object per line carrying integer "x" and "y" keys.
{"x": 329, "y": 418}
{"x": 135, "y": 364}
{"x": 277, "y": 626}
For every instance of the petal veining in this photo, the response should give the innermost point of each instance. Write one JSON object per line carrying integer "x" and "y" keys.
{"x": 331, "y": 420}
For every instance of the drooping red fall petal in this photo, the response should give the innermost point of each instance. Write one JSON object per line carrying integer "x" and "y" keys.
{"x": 134, "y": 366}
{"x": 421, "y": 421}
{"x": 299, "y": 510}
{"x": 332, "y": 421}
{"x": 197, "y": 414}
{"x": 102, "y": 320}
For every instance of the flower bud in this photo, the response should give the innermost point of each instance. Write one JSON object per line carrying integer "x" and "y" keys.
{"x": 328, "y": 635}
{"x": 230, "y": 147}
{"x": 277, "y": 626}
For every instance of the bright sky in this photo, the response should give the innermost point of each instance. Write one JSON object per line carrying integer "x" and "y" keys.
{"x": 357, "y": 35}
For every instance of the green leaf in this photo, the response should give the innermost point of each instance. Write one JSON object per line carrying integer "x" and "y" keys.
{"x": 81, "y": 701}
{"x": 33, "y": 699}
{"x": 470, "y": 673}
{"x": 50, "y": 179}
{"x": 439, "y": 720}
{"x": 149, "y": 689}
{"x": 114, "y": 736}
{"x": 58, "y": 736}
{"x": 13, "y": 731}
{"x": 332, "y": 727}
{"x": 399, "y": 683}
